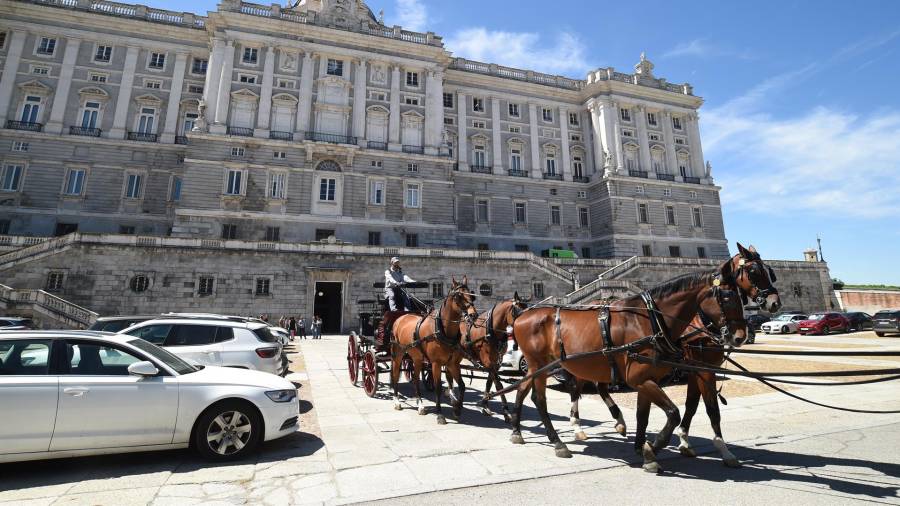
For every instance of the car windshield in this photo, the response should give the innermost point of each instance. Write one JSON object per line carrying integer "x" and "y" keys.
{"x": 887, "y": 314}
{"x": 817, "y": 316}
{"x": 784, "y": 318}
{"x": 266, "y": 334}
{"x": 177, "y": 364}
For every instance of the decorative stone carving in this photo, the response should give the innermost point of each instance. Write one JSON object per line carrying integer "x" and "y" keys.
{"x": 201, "y": 125}
{"x": 708, "y": 168}
{"x": 379, "y": 74}
{"x": 288, "y": 60}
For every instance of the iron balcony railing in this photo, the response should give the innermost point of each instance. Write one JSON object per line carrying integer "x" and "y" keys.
{"x": 24, "y": 125}
{"x": 181, "y": 139}
{"x": 581, "y": 179}
{"x": 553, "y": 176}
{"x": 141, "y": 137}
{"x": 240, "y": 131}
{"x": 692, "y": 180}
{"x": 87, "y": 132}
{"x": 332, "y": 138}
{"x": 413, "y": 149}
{"x": 281, "y": 136}
{"x": 377, "y": 145}
{"x": 481, "y": 169}
{"x": 638, "y": 173}
{"x": 665, "y": 177}
{"x": 517, "y": 173}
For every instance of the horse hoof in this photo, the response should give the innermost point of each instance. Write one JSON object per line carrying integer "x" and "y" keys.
{"x": 580, "y": 436}
{"x": 507, "y": 418}
{"x": 422, "y": 410}
{"x": 517, "y": 439}
{"x": 563, "y": 453}
{"x": 652, "y": 467}
{"x": 620, "y": 428}
{"x": 733, "y": 463}
{"x": 487, "y": 412}
{"x": 687, "y": 451}
{"x": 441, "y": 420}
{"x": 398, "y": 407}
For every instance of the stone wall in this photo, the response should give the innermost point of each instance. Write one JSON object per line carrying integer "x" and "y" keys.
{"x": 868, "y": 301}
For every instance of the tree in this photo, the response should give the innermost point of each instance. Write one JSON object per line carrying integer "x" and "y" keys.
{"x": 837, "y": 284}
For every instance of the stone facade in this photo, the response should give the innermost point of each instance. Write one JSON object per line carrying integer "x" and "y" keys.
{"x": 266, "y": 123}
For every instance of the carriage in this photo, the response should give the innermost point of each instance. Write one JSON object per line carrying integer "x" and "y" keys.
{"x": 369, "y": 352}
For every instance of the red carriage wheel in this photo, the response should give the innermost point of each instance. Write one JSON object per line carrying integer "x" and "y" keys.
{"x": 353, "y": 358}
{"x": 370, "y": 373}
{"x": 407, "y": 367}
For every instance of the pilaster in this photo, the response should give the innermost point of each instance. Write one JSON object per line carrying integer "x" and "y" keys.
{"x": 394, "y": 120}
{"x": 224, "y": 97}
{"x": 213, "y": 76}
{"x": 124, "y": 99}
{"x": 304, "y": 104}
{"x": 534, "y": 140}
{"x": 10, "y": 68}
{"x": 669, "y": 139}
{"x": 169, "y": 130}
{"x": 63, "y": 85}
{"x": 496, "y": 137}
{"x": 265, "y": 95}
{"x": 434, "y": 111}
{"x": 462, "y": 151}
{"x": 616, "y": 141}
{"x": 643, "y": 142}
{"x": 359, "y": 101}
{"x": 566, "y": 155}
{"x": 697, "y": 163}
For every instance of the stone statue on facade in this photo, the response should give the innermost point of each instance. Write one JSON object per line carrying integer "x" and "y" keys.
{"x": 378, "y": 75}
{"x": 607, "y": 159}
{"x": 288, "y": 61}
{"x": 708, "y": 168}
{"x": 201, "y": 125}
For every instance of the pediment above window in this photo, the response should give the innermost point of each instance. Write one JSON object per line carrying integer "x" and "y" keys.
{"x": 35, "y": 88}
{"x": 148, "y": 99}
{"x": 330, "y": 80}
{"x": 284, "y": 98}
{"x": 479, "y": 137}
{"x": 244, "y": 94}
{"x": 377, "y": 109}
{"x": 93, "y": 92}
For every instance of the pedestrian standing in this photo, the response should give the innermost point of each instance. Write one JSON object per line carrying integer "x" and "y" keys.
{"x": 292, "y": 327}
{"x": 301, "y": 327}
{"x": 317, "y": 327}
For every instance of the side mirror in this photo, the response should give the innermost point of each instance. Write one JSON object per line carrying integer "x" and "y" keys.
{"x": 143, "y": 369}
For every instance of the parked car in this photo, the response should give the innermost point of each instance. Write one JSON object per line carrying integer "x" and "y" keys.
{"x": 755, "y": 321}
{"x": 886, "y": 322}
{"x": 74, "y": 393}
{"x": 117, "y": 323}
{"x": 783, "y": 323}
{"x": 824, "y": 323}
{"x": 16, "y": 323}
{"x": 216, "y": 340}
{"x": 859, "y": 320}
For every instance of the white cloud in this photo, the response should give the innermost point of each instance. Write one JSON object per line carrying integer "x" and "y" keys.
{"x": 412, "y": 15}
{"x": 566, "y": 54}
{"x": 701, "y": 48}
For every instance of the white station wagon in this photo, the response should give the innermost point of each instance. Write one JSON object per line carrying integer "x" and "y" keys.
{"x": 73, "y": 393}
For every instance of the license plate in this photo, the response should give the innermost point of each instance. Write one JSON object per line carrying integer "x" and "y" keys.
{"x": 803, "y": 328}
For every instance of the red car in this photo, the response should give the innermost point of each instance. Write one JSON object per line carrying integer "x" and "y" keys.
{"x": 824, "y": 323}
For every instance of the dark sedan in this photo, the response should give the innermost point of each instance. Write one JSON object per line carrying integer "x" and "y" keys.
{"x": 756, "y": 320}
{"x": 859, "y": 320}
{"x": 886, "y": 322}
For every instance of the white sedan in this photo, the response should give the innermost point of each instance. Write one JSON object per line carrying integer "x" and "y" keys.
{"x": 783, "y": 324}
{"x": 74, "y": 393}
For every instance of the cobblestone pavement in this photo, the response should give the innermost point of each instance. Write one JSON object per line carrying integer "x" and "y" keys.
{"x": 361, "y": 449}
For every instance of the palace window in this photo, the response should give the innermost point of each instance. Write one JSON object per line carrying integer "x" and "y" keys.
{"x": 449, "y": 121}
{"x": 583, "y": 220}
{"x": 287, "y": 84}
{"x": 250, "y": 56}
{"x": 573, "y": 119}
{"x": 675, "y": 251}
{"x": 550, "y": 163}
{"x": 273, "y": 234}
{"x": 175, "y": 189}
{"x": 701, "y": 252}
{"x": 374, "y": 238}
{"x": 651, "y": 118}
{"x": 625, "y": 114}
{"x": 237, "y": 152}
{"x": 643, "y": 213}
{"x": 157, "y": 61}
{"x": 335, "y": 67}
{"x": 437, "y": 290}
{"x": 55, "y": 281}
{"x": 133, "y": 186}
{"x": 74, "y": 182}
{"x": 262, "y": 286}
{"x": 247, "y": 78}
{"x": 448, "y": 100}
{"x": 479, "y": 124}
{"x": 646, "y": 250}
{"x": 537, "y": 289}
{"x": 412, "y": 79}
{"x": 277, "y": 186}
{"x": 11, "y": 178}
{"x": 20, "y": 146}
{"x": 205, "y": 285}
{"x": 515, "y": 159}
{"x": 40, "y": 70}
{"x": 547, "y": 114}
{"x": 479, "y": 155}
{"x": 195, "y": 88}
{"x": 229, "y": 231}
{"x": 582, "y": 194}
{"x": 481, "y": 211}
{"x": 146, "y": 120}
{"x": 139, "y": 283}
{"x": 46, "y": 46}
{"x": 515, "y": 129}
{"x": 682, "y": 168}
{"x": 411, "y": 100}
{"x": 411, "y": 199}
{"x": 667, "y": 192}
{"x": 103, "y": 54}
{"x": 234, "y": 182}
{"x": 485, "y": 290}
{"x": 153, "y": 84}
{"x": 676, "y": 122}
{"x": 514, "y": 110}
{"x": 97, "y": 77}
{"x": 327, "y": 188}
{"x": 577, "y": 166}
{"x": 198, "y": 66}
{"x": 670, "y": 215}
{"x": 31, "y": 110}
{"x": 697, "y": 217}
{"x": 478, "y": 105}
{"x": 555, "y": 215}
{"x": 376, "y": 192}
{"x": 412, "y": 240}
{"x": 521, "y": 214}
{"x": 279, "y": 155}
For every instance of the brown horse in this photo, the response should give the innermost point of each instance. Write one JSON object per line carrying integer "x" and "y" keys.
{"x": 548, "y": 333}
{"x": 436, "y": 337}
{"x": 485, "y": 340}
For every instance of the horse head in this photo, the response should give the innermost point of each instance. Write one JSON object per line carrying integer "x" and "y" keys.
{"x": 722, "y": 307}
{"x": 462, "y": 298}
{"x": 754, "y": 279}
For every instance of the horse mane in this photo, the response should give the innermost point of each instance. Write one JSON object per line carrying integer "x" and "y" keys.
{"x": 680, "y": 284}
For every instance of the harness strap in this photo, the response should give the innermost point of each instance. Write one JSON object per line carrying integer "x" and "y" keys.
{"x": 658, "y": 327}
{"x": 603, "y": 318}
{"x": 562, "y": 348}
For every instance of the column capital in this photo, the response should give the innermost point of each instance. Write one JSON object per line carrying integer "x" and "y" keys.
{"x": 229, "y": 43}
{"x": 307, "y": 55}
{"x": 270, "y": 48}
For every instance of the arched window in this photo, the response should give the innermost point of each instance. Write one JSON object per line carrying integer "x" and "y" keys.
{"x": 139, "y": 283}
{"x": 329, "y": 165}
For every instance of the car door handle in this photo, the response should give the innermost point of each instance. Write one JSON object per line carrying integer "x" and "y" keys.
{"x": 76, "y": 391}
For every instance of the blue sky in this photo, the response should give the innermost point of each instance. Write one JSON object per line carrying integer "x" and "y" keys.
{"x": 802, "y": 114}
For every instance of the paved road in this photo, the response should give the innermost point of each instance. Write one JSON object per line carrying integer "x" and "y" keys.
{"x": 364, "y": 450}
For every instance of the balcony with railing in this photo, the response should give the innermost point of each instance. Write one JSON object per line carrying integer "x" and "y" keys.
{"x": 121, "y": 10}
{"x": 281, "y": 136}
{"x": 330, "y": 138}
{"x": 553, "y": 176}
{"x": 581, "y": 179}
{"x": 517, "y": 173}
{"x": 24, "y": 125}
{"x": 84, "y": 131}
{"x": 382, "y": 146}
{"x": 416, "y": 150}
{"x": 481, "y": 169}
{"x": 518, "y": 74}
{"x": 141, "y": 137}
{"x": 240, "y": 131}
{"x": 691, "y": 179}
{"x": 665, "y": 177}
{"x": 181, "y": 139}
{"x": 638, "y": 173}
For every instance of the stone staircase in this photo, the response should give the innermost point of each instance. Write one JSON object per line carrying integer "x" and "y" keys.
{"x": 605, "y": 286}
{"x": 46, "y": 309}
{"x": 32, "y": 248}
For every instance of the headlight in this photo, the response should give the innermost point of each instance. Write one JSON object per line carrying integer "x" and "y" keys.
{"x": 282, "y": 395}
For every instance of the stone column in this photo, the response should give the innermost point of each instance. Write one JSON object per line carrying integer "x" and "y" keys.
{"x": 496, "y": 138}
{"x": 669, "y": 140}
{"x": 124, "y": 99}
{"x": 63, "y": 85}
{"x": 394, "y": 120}
{"x": 359, "y": 102}
{"x": 643, "y": 142}
{"x": 698, "y": 168}
{"x": 616, "y": 141}
{"x": 434, "y": 111}
{"x": 171, "y": 125}
{"x": 304, "y": 104}
{"x": 598, "y": 128}
{"x": 213, "y": 76}
{"x": 588, "y": 148}
{"x": 265, "y": 95}
{"x": 566, "y": 155}
{"x": 462, "y": 148}
{"x": 224, "y": 97}
{"x": 10, "y": 68}
{"x": 537, "y": 171}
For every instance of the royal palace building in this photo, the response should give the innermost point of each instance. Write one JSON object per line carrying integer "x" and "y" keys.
{"x": 261, "y": 122}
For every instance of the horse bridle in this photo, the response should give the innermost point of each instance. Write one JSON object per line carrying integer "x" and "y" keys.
{"x": 720, "y": 294}
{"x": 757, "y": 264}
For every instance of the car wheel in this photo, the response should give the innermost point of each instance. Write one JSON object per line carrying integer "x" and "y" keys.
{"x": 523, "y": 366}
{"x": 784, "y": 330}
{"x": 879, "y": 334}
{"x": 228, "y": 430}
{"x": 826, "y": 330}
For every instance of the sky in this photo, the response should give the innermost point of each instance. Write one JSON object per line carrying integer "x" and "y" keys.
{"x": 801, "y": 120}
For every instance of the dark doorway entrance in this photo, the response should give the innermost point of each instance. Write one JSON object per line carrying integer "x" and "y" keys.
{"x": 65, "y": 228}
{"x": 328, "y": 304}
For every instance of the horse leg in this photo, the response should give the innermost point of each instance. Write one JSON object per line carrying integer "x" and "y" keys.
{"x": 499, "y": 386}
{"x": 575, "y": 385}
{"x": 461, "y": 389}
{"x": 708, "y": 389}
{"x": 397, "y": 359}
{"x": 690, "y": 408}
{"x": 485, "y": 410}
{"x": 539, "y": 397}
{"x": 417, "y": 385}
{"x": 449, "y": 390}
{"x": 438, "y": 390}
{"x": 643, "y": 418}
{"x": 613, "y": 407}
{"x": 656, "y": 395}
{"x": 516, "y": 437}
